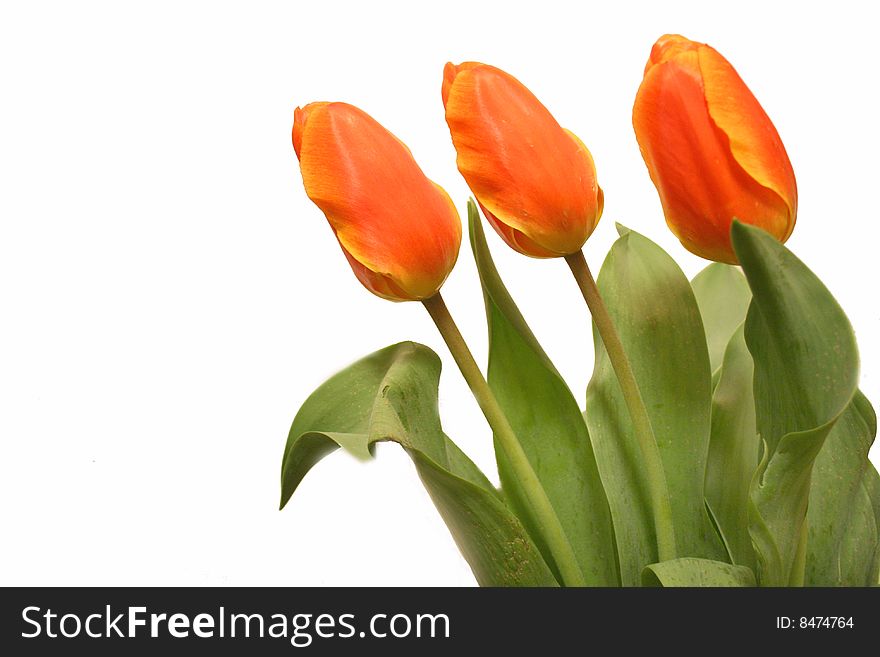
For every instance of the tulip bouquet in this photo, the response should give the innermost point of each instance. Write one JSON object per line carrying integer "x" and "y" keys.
{"x": 724, "y": 440}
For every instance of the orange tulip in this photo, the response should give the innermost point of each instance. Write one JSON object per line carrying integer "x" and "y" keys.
{"x": 535, "y": 181}
{"x": 399, "y": 231}
{"x": 711, "y": 150}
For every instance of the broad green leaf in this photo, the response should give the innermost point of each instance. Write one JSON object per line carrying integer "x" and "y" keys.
{"x": 653, "y": 307}
{"x": 734, "y": 449}
{"x": 806, "y": 365}
{"x": 806, "y": 373}
{"x": 688, "y": 571}
{"x": 842, "y": 538}
{"x": 723, "y": 296}
{"x": 548, "y": 422}
{"x": 392, "y": 395}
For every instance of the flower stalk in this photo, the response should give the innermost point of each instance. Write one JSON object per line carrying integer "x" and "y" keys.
{"x": 653, "y": 466}
{"x": 539, "y": 503}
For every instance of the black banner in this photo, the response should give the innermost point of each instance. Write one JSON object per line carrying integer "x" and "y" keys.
{"x": 341, "y": 621}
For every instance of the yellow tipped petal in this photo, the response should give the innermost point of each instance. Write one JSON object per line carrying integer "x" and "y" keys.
{"x": 399, "y": 231}
{"x": 710, "y": 149}
{"x": 535, "y": 179}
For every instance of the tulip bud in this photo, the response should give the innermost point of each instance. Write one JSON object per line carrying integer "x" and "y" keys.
{"x": 711, "y": 150}
{"x": 399, "y": 231}
{"x": 535, "y": 181}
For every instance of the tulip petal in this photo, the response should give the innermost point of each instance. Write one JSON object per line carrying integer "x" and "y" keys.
{"x": 523, "y": 167}
{"x": 400, "y": 231}
{"x": 515, "y": 239}
{"x": 754, "y": 142}
{"x": 668, "y": 47}
{"x": 600, "y": 195}
{"x": 298, "y": 123}
{"x": 450, "y": 72}
{"x": 702, "y": 186}
{"x": 381, "y": 285}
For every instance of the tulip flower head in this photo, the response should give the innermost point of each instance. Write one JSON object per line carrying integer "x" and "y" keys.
{"x": 535, "y": 181}
{"x": 711, "y": 150}
{"x": 399, "y": 231}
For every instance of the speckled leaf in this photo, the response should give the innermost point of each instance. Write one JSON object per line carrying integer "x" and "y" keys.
{"x": 549, "y": 425}
{"x": 723, "y": 296}
{"x": 653, "y": 307}
{"x": 690, "y": 572}
{"x": 843, "y": 532}
{"x": 806, "y": 373}
{"x": 734, "y": 449}
{"x": 392, "y": 395}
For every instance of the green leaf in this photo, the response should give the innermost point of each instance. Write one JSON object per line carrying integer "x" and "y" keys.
{"x": 689, "y": 571}
{"x": 734, "y": 449}
{"x": 723, "y": 296}
{"x": 653, "y": 307}
{"x": 842, "y": 535}
{"x": 871, "y": 484}
{"x": 392, "y": 395}
{"x": 548, "y": 422}
{"x": 806, "y": 373}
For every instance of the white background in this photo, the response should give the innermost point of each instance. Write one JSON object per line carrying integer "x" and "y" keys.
{"x": 169, "y": 295}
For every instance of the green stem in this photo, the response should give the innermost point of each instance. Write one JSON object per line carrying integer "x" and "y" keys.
{"x": 653, "y": 465}
{"x": 539, "y": 503}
